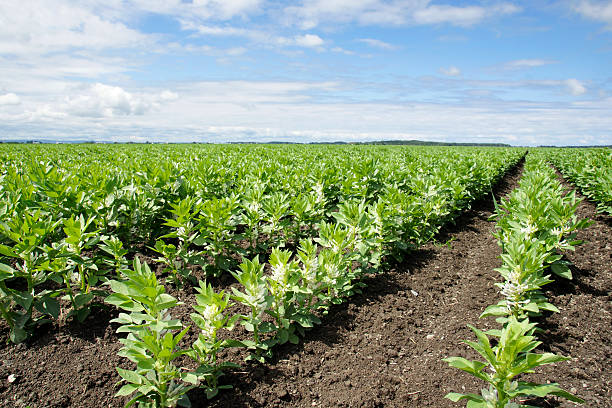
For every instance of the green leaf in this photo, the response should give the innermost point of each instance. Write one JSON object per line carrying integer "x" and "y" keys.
{"x": 473, "y": 367}
{"x": 561, "y": 270}
{"x": 499, "y": 309}
{"x": 131, "y": 376}
{"x": 6, "y": 272}
{"x": 48, "y": 305}
{"x": 6, "y": 251}
{"x": 303, "y": 320}
{"x": 483, "y": 347}
{"x": 531, "y": 307}
{"x": 283, "y": 336}
{"x": 534, "y": 360}
{"x": 266, "y": 327}
{"x": 542, "y": 390}
{"x": 165, "y": 301}
{"x": 232, "y": 343}
{"x": 82, "y": 314}
{"x": 18, "y": 334}
{"x": 456, "y": 397}
{"x": 23, "y": 299}
{"x": 82, "y": 299}
{"x": 126, "y": 390}
{"x": 123, "y": 302}
{"x": 190, "y": 378}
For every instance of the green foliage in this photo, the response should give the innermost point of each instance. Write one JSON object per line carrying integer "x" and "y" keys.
{"x": 535, "y": 222}
{"x": 211, "y": 317}
{"x": 512, "y": 356}
{"x": 217, "y": 221}
{"x": 321, "y": 216}
{"x": 114, "y": 247}
{"x": 152, "y": 341}
{"x": 19, "y": 295}
{"x": 256, "y": 298}
{"x": 589, "y": 169}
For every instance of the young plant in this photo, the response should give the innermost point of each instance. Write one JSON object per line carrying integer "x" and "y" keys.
{"x": 152, "y": 341}
{"x": 210, "y": 318}
{"x": 184, "y": 230}
{"x": 522, "y": 269}
{"x": 172, "y": 264}
{"x": 353, "y": 215}
{"x": 256, "y": 298}
{"x": 83, "y": 271}
{"x": 252, "y": 214}
{"x": 335, "y": 262}
{"x": 282, "y": 285}
{"x": 217, "y": 223}
{"x": 114, "y": 247}
{"x": 276, "y": 209}
{"x": 512, "y": 356}
{"x": 18, "y": 293}
{"x": 311, "y": 285}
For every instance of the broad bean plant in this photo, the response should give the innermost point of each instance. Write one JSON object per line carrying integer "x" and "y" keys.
{"x": 535, "y": 223}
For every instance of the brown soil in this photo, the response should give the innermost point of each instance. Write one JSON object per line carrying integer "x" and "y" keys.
{"x": 383, "y": 348}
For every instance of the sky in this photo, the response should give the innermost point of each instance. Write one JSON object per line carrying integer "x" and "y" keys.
{"x": 519, "y": 72}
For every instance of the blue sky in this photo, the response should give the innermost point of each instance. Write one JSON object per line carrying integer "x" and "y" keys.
{"x": 518, "y": 72}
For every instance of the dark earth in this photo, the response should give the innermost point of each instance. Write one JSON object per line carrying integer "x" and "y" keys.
{"x": 384, "y": 348}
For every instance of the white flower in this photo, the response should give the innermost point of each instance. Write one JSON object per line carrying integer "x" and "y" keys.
{"x": 529, "y": 229}
{"x": 318, "y": 189}
{"x": 279, "y": 273}
{"x": 254, "y": 206}
{"x": 210, "y": 312}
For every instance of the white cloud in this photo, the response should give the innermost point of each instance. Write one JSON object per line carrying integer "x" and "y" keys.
{"x": 220, "y": 111}
{"x": 257, "y": 36}
{"x": 598, "y": 11}
{"x": 450, "y": 71}
{"x": 312, "y": 12}
{"x": 224, "y": 31}
{"x": 195, "y": 9}
{"x": 168, "y": 96}
{"x": 377, "y": 43}
{"x": 575, "y": 87}
{"x": 106, "y": 101}
{"x": 526, "y": 63}
{"x": 460, "y": 16}
{"x": 308, "y": 40}
{"x": 341, "y": 50}
{"x": 390, "y": 12}
{"x": 223, "y": 9}
{"x": 9, "y": 99}
{"x": 45, "y": 26}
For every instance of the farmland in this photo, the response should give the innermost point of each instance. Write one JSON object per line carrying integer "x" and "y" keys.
{"x": 349, "y": 272}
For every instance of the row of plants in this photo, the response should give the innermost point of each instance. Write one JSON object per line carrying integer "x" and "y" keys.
{"x": 536, "y": 222}
{"x": 129, "y": 190}
{"x": 282, "y": 304}
{"x": 64, "y": 220}
{"x": 589, "y": 169}
{"x": 284, "y": 297}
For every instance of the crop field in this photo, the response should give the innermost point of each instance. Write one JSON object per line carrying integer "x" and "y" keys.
{"x": 301, "y": 276}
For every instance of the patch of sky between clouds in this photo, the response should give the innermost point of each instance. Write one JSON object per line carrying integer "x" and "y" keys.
{"x": 154, "y": 23}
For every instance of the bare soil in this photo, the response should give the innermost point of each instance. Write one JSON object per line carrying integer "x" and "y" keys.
{"x": 383, "y": 348}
